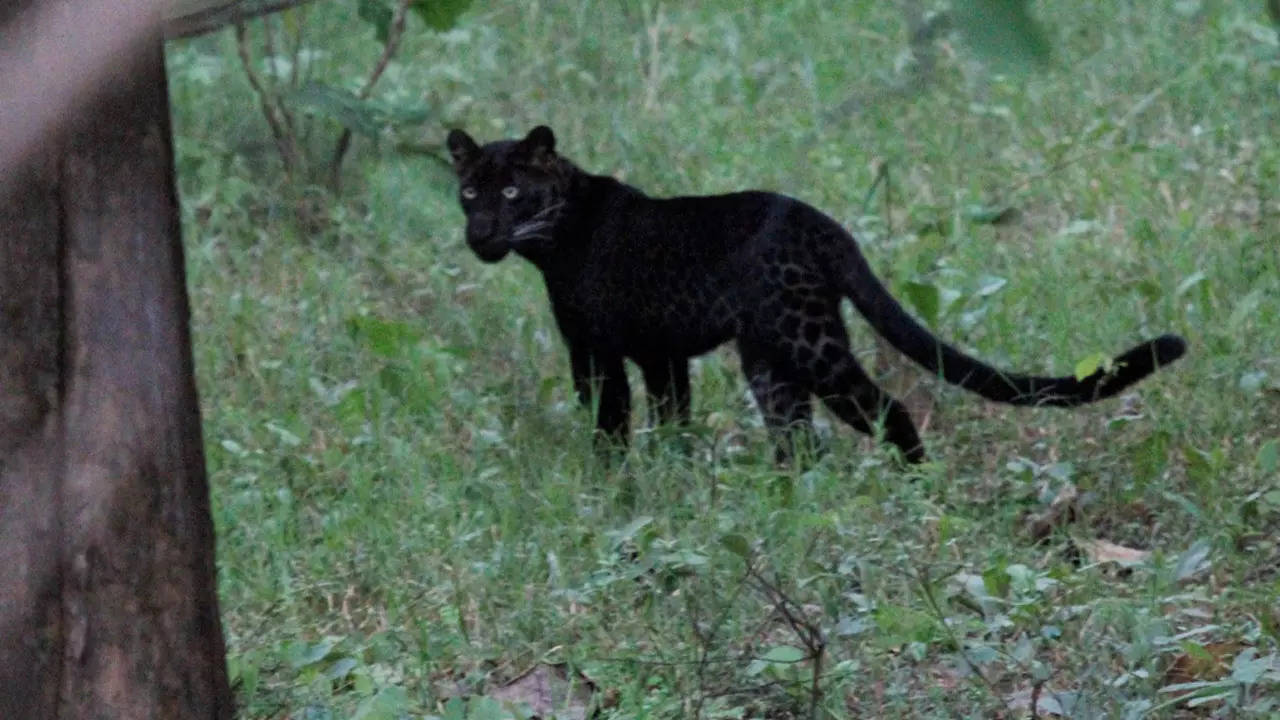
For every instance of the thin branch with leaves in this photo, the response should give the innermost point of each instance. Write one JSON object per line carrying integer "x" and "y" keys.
{"x": 394, "y": 34}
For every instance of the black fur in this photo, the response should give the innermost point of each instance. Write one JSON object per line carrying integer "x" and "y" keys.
{"x": 659, "y": 281}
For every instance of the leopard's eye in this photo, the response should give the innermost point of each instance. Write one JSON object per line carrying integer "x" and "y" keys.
{"x": 469, "y": 193}
{"x": 510, "y": 192}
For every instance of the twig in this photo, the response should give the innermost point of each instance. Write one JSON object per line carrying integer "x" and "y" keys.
{"x": 808, "y": 633}
{"x": 881, "y": 173}
{"x": 284, "y": 144}
{"x": 296, "y": 50}
{"x": 269, "y": 46}
{"x": 394, "y": 33}
{"x": 815, "y": 685}
{"x": 926, "y": 589}
{"x": 269, "y": 49}
{"x": 708, "y": 638}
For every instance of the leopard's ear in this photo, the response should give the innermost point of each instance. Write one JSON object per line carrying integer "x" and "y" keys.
{"x": 539, "y": 145}
{"x": 540, "y": 138}
{"x": 462, "y": 149}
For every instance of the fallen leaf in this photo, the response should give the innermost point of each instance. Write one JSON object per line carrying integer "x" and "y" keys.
{"x": 1209, "y": 661}
{"x": 549, "y": 691}
{"x": 1104, "y": 551}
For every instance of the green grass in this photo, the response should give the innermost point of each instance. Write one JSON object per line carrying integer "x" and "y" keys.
{"x": 407, "y": 504}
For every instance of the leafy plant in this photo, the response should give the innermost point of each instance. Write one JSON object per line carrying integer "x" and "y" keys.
{"x": 287, "y": 89}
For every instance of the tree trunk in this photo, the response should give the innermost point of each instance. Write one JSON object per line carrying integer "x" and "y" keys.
{"x": 108, "y": 604}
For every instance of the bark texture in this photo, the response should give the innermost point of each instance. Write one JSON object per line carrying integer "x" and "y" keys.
{"x": 108, "y": 604}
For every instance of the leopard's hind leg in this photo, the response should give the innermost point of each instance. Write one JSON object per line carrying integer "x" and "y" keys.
{"x": 784, "y": 402}
{"x": 809, "y": 346}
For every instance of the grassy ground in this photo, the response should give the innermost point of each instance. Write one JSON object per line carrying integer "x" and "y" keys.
{"x": 407, "y": 505}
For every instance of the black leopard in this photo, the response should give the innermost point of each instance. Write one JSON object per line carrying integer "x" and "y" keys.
{"x": 661, "y": 280}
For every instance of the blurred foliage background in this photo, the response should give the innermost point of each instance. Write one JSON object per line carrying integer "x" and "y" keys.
{"x": 412, "y": 523}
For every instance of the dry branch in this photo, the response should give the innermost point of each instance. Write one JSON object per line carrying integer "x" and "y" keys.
{"x": 394, "y": 33}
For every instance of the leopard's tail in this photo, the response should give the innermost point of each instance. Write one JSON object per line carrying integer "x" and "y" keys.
{"x": 888, "y": 317}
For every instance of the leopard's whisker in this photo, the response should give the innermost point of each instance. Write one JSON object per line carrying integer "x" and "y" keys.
{"x": 550, "y": 208}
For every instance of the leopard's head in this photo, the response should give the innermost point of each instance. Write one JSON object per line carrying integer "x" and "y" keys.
{"x": 512, "y": 191}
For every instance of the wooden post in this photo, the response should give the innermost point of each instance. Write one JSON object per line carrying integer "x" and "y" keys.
{"x": 108, "y": 604}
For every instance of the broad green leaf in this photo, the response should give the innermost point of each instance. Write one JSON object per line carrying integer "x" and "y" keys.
{"x": 387, "y": 113}
{"x": 778, "y": 657}
{"x": 948, "y": 299}
{"x": 1091, "y": 364}
{"x": 996, "y": 581}
{"x": 850, "y": 626}
{"x": 1269, "y": 457}
{"x": 341, "y": 668}
{"x": 1191, "y": 561}
{"x": 378, "y": 14}
{"x": 304, "y": 654}
{"x": 925, "y": 298}
{"x": 787, "y": 654}
{"x": 486, "y": 708}
{"x": 440, "y": 14}
{"x": 389, "y": 704}
{"x": 1198, "y": 654}
{"x": 336, "y": 104}
{"x": 1023, "y": 651}
{"x": 683, "y": 559}
{"x": 1061, "y": 471}
{"x": 630, "y": 532}
{"x": 365, "y": 117}
{"x": 736, "y": 544}
{"x": 455, "y": 708}
{"x": 1003, "y": 31}
{"x": 1247, "y": 667}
